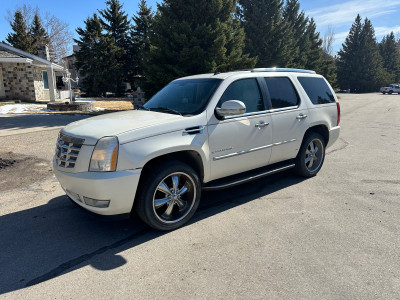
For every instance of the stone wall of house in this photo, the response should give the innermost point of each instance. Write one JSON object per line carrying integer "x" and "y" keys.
{"x": 18, "y": 81}
{"x": 41, "y": 92}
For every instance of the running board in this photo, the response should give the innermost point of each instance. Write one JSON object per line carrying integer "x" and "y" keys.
{"x": 237, "y": 181}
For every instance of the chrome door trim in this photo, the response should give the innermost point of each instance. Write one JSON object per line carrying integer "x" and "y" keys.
{"x": 251, "y": 150}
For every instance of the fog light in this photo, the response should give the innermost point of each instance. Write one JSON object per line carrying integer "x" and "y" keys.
{"x": 97, "y": 203}
{"x": 73, "y": 195}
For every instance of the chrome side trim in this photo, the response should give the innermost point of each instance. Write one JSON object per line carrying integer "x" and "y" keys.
{"x": 251, "y": 150}
{"x": 262, "y": 112}
{"x": 250, "y": 178}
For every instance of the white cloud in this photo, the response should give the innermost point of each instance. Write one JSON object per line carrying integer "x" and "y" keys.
{"x": 346, "y": 12}
{"x": 380, "y": 32}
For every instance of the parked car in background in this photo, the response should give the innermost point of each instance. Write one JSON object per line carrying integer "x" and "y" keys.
{"x": 202, "y": 132}
{"x": 392, "y": 88}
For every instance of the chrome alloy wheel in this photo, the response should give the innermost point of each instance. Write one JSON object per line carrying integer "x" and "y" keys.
{"x": 174, "y": 197}
{"x": 314, "y": 155}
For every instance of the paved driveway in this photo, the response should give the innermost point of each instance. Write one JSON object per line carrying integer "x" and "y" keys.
{"x": 334, "y": 236}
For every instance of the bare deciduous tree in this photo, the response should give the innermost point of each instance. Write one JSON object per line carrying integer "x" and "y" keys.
{"x": 57, "y": 30}
{"x": 327, "y": 43}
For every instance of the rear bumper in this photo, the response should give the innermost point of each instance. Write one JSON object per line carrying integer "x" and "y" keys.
{"x": 333, "y": 135}
{"x": 117, "y": 187}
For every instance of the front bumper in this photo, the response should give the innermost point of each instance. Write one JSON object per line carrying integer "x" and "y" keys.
{"x": 117, "y": 187}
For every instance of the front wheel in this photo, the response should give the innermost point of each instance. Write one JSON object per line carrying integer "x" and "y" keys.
{"x": 169, "y": 196}
{"x": 311, "y": 155}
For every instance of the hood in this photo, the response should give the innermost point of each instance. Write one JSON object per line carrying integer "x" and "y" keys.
{"x": 92, "y": 129}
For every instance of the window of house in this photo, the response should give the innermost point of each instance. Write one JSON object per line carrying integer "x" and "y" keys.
{"x": 317, "y": 90}
{"x": 247, "y": 91}
{"x": 45, "y": 80}
{"x": 282, "y": 92}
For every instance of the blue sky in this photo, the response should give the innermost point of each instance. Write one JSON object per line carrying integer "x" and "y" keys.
{"x": 336, "y": 14}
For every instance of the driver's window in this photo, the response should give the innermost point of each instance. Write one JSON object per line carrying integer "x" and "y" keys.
{"x": 247, "y": 91}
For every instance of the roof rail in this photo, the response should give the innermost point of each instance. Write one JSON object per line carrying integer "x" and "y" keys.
{"x": 282, "y": 70}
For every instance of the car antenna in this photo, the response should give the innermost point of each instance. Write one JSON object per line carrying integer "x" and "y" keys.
{"x": 216, "y": 72}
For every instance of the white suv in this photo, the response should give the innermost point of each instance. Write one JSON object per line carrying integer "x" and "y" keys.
{"x": 200, "y": 132}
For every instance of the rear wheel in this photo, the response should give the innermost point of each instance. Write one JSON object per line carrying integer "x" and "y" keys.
{"x": 169, "y": 196}
{"x": 311, "y": 155}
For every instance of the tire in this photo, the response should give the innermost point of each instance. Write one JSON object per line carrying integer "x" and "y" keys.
{"x": 384, "y": 93}
{"x": 169, "y": 196}
{"x": 390, "y": 92}
{"x": 311, "y": 155}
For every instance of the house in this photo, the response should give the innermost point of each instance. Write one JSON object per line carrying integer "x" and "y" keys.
{"x": 27, "y": 77}
{"x": 69, "y": 63}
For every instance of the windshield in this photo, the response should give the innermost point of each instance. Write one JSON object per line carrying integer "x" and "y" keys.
{"x": 186, "y": 97}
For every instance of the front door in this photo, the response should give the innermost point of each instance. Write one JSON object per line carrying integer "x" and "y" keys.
{"x": 243, "y": 142}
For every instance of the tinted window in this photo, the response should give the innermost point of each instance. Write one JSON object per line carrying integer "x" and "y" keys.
{"x": 188, "y": 97}
{"x": 247, "y": 91}
{"x": 317, "y": 90}
{"x": 282, "y": 92}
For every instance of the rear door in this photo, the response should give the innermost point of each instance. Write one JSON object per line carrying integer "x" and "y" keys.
{"x": 289, "y": 117}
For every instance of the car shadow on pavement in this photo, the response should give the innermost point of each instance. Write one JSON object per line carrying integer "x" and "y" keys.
{"x": 47, "y": 241}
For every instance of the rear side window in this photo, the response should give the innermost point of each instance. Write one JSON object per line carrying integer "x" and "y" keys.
{"x": 317, "y": 90}
{"x": 282, "y": 92}
{"x": 247, "y": 91}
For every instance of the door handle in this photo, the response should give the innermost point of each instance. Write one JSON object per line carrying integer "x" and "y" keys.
{"x": 301, "y": 116}
{"x": 261, "y": 125}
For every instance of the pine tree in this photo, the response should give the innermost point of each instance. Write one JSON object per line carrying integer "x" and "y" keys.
{"x": 297, "y": 22}
{"x": 268, "y": 35}
{"x": 359, "y": 62}
{"x": 116, "y": 23}
{"x": 97, "y": 58}
{"x": 191, "y": 37}
{"x": 38, "y": 33}
{"x": 20, "y": 38}
{"x": 349, "y": 58}
{"x": 391, "y": 57}
{"x": 140, "y": 37}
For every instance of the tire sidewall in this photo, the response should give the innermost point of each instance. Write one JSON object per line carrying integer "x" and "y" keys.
{"x": 301, "y": 167}
{"x": 144, "y": 200}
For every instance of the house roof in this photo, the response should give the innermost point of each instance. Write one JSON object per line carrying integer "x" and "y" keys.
{"x": 11, "y": 54}
{"x": 7, "y": 54}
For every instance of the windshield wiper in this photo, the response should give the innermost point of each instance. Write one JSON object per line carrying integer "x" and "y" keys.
{"x": 165, "y": 109}
{"x": 142, "y": 107}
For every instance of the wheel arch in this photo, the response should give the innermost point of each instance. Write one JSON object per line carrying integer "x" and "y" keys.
{"x": 321, "y": 129}
{"x": 189, "y": 157}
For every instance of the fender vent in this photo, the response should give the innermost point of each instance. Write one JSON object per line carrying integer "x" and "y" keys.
{"x": 194, "y": 130}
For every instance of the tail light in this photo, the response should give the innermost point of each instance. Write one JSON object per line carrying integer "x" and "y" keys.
{"x": 338, "y": 113}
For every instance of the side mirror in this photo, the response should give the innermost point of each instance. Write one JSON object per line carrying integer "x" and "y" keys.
{"x": 231, "y": 108}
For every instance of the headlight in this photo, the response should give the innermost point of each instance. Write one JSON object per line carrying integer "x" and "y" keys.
{"x": 105, "y": 154}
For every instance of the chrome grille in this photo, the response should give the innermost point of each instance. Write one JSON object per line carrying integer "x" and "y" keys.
{"x": 67, "y": 150}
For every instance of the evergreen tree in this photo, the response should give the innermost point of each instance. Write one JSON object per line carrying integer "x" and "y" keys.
{"x": 115, "y": 22}
{"x": 20, "y": 38}
{"x": 140, "y": 37}
{"x": 38, "y": 33}
{"x": 359, "y": 62}
{"x": 191, "y": 37}
{"x": 391, "y": 57}
{"x": 97, "y": 58}
{"x": 297, "y": 22}
{"x": 268, "y": 35}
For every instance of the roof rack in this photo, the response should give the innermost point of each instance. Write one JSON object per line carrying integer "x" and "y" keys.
{"x": 282, "y": 70}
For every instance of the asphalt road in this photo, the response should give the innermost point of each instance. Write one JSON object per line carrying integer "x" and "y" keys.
{"x": 334, "y": 236}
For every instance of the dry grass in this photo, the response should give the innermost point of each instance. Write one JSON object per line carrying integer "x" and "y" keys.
{"x": 114, "y": 105}
{"x": 108, "y": 106}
